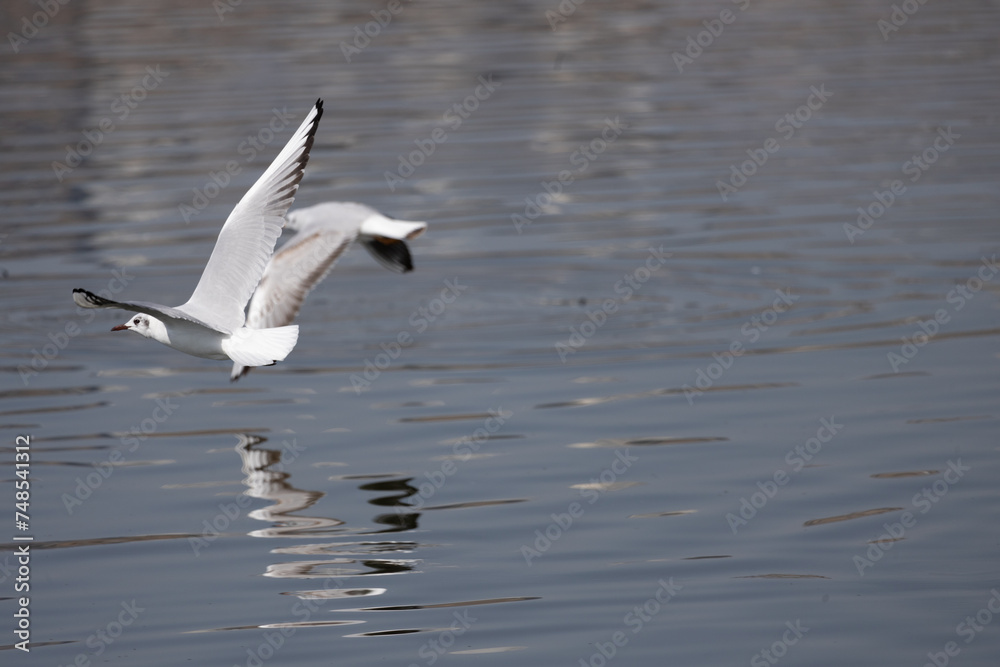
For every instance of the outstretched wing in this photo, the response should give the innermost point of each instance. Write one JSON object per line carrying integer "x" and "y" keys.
{"x": 247, "y": 239}
{"x": 293, "y": 272}
{"x": 324, "y": 232}
{"x": 86, "y": 299}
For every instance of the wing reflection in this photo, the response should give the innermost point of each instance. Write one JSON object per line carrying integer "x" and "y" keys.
{"x": 327, "y": 572}
{"x": 399, "y": 490}
{"x": 266, "y": 478}
{"x": 338, "y": 568}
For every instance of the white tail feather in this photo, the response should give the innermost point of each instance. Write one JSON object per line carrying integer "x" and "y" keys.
{"x": 260, "y": 347}
{"x": 401, "y": 230}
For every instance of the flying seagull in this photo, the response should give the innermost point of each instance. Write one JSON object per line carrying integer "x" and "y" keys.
{"x": 212, "y": 324}
{"x": 322, "y": 234}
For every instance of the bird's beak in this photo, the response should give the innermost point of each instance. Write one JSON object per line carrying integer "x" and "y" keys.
{"x": 120, "y": 327}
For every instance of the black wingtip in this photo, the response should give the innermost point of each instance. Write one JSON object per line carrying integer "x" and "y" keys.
{"x": 89, "y": 299}
{"x": 312, "y": 133}
{"x": 391, "y": 253}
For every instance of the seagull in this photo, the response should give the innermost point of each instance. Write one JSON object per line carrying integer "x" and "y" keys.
{"x": 322, "y": 234}
{"x": 212, "y": 323}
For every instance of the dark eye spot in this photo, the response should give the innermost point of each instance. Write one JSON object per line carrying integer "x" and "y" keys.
{"x": 135, "y": 321}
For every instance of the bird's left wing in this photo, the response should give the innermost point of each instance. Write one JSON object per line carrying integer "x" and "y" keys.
{"x": 293, "y": 272}
{"x": 247, "y": 239}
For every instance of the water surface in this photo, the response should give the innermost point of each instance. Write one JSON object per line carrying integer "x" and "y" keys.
{"x": 637, "y": 421}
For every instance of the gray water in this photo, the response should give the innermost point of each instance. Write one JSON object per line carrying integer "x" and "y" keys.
{"x": 642, "y": 423}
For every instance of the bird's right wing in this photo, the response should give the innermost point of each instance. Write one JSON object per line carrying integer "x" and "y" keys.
{"x": 86, "y": 299}
{"x": 247, "y": 239}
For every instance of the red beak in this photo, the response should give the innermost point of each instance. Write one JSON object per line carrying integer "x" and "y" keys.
{"x": 120, "y": 327}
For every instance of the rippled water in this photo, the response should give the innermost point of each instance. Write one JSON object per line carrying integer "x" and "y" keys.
{"x": 638, "y": 422}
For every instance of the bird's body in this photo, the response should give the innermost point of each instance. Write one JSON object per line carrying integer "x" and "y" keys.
{"x": 199, "y": 340}
{"x": 322, "y": 234}
{"x": 188, "y": 337}
{"x": 212, "y": 323}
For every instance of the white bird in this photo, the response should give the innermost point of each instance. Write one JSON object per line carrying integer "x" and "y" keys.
{"x": 212, "y": 323}
{"x": 322, "y": 234}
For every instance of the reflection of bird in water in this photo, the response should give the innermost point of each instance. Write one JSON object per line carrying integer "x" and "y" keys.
{"x": 332, "y": 568}
{"x": 401, "y": 489}
{"x": 266, "y": 479}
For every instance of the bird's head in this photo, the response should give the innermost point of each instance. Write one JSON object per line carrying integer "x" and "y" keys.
{"x": 141, "y": 324}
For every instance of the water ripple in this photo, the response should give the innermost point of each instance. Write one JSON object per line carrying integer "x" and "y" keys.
{"x": 646, "y": 442}
{"x": 445, "y": 605}
{"x": 851, "y": 516}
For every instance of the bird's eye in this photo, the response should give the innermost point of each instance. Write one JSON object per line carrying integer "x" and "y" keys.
{"x": 135, "y": 321}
